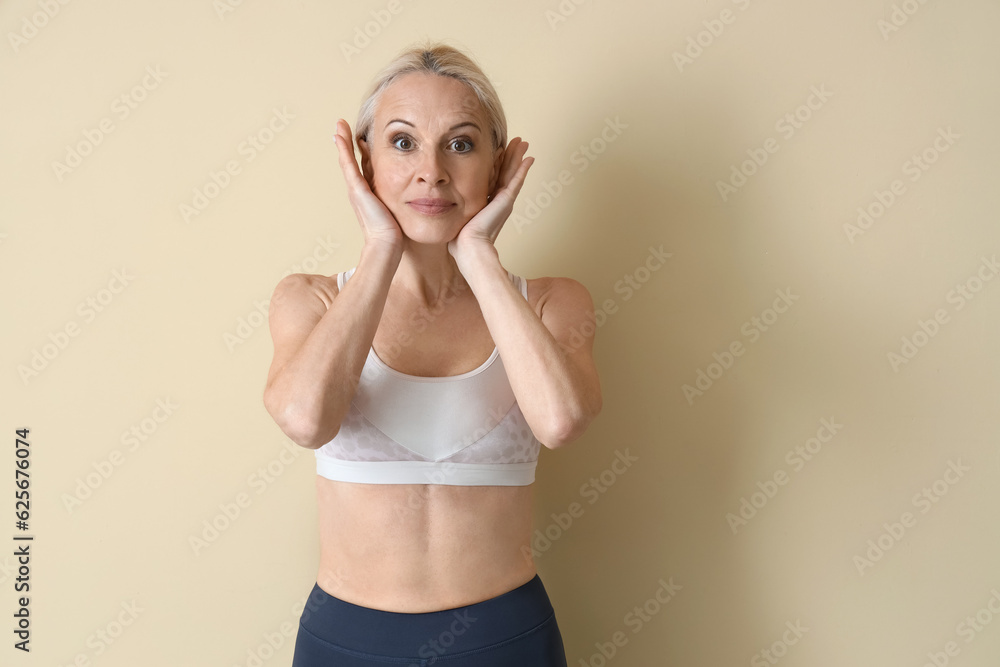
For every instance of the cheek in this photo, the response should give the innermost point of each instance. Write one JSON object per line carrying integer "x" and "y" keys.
{"x": 390, "y": 179}
{"x": 477, "y": 184}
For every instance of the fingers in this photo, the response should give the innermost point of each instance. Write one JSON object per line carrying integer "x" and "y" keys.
{"x": 345, "y": 153}
{"x": 514, "y": 166}
{"x": 342, "y": 131}
{"x": 512, "y": 158}
{"x": 517, "y": 180}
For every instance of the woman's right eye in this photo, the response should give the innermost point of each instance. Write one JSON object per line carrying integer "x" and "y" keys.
{"x": 398, "y": 138}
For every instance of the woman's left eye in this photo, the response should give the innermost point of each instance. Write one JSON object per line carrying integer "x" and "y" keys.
{"x": 467, "y": 144}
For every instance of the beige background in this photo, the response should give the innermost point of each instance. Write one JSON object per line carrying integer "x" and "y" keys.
{"x": 198, "y": 284}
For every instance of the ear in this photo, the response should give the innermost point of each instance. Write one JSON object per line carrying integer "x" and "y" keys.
{"x": 495, "y": 172}
{"x": 366, "y": 163}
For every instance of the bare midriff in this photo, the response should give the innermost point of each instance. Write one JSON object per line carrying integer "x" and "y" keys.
{"x": 422, "y": 547}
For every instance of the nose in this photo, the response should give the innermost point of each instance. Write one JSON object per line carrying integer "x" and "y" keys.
{"x": 431, "y": 168}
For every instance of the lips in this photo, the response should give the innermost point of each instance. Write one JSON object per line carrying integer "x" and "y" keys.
{"x": 431, "y": 206}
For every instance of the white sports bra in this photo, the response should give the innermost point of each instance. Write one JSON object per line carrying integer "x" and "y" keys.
{"x": 463, "y": 430}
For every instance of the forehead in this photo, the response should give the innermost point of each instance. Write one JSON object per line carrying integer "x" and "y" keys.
{"x": 428, "y": 99}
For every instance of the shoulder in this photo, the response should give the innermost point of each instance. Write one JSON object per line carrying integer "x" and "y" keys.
{"x": 298, "y": 286}
{"x": 558, "y": 293}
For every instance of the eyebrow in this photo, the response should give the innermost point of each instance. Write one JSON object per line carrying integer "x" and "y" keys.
{"x": 453, "y": 127}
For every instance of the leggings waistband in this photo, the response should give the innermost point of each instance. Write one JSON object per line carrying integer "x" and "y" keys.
{"x": 400, "y": 634}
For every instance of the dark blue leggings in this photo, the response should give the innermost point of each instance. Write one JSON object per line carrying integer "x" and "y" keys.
{"x": 515, "y": 628}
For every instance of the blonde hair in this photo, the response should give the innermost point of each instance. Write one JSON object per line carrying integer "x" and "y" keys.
{"x": 444, "y": 60}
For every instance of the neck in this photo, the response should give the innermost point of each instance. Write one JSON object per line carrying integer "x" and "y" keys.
{"x": 428, "y": 273}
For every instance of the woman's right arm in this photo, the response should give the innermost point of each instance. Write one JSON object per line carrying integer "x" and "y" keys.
{"x": 318, "y": 356}
{"x": 321, "y": 341}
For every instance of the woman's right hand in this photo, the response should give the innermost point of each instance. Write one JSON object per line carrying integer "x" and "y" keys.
{"x": 377, "y": 222}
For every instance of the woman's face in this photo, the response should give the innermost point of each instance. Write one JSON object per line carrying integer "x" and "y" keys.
{"x": 430, "y": 141}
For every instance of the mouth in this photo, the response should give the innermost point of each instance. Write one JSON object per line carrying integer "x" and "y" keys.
{"x": 431, "y": 206}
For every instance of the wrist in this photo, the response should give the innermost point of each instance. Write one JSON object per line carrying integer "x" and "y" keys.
{"x": 476, "y": 257}
{"x": 383, "y": 250}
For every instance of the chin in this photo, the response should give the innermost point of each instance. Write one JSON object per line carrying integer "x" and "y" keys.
{"x": 420, "y": 234}
{"x": 429, "y": 231}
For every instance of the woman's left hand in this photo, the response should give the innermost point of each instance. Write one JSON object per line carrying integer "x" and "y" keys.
{"x": 482, "y": 230}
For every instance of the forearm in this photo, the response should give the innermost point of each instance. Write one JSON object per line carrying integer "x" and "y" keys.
{"x": 317, "y": 385}
{"x": 548, "y": 385}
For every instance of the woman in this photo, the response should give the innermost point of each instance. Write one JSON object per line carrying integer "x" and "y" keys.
{"x": 425, "y": 452}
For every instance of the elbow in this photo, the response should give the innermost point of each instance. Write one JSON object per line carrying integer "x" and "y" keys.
{"x": 572, "y": 426}
{"x": 563, "y": 433}
{"x": 313, "y": 438}
{"x": 297, "y": 424}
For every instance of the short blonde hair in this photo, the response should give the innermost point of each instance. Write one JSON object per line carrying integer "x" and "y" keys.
{"x": 436, "y": 58}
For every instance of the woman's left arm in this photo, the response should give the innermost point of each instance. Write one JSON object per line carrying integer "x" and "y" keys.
{"x": 548, "y": 358}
